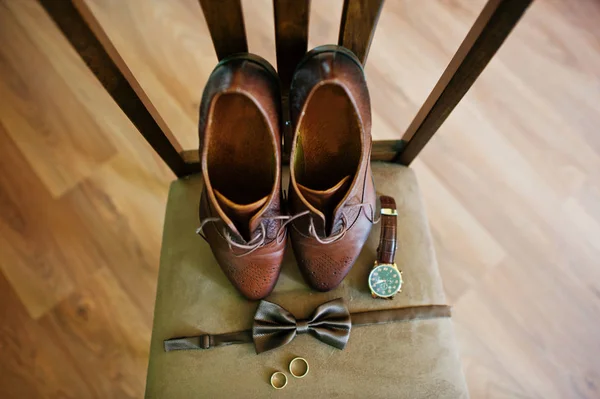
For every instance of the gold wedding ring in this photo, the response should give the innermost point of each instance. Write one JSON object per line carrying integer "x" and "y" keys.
{"x": 297, "y": 369}
{"x": 278, "y": 380}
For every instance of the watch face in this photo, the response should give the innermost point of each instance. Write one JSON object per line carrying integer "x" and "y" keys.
{"x": 385, "y": 280}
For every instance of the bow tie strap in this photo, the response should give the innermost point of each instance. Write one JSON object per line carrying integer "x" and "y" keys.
{"x": 384, "y": 316}
{"x": 330, "y": 323}
{"x": 208, "y": 341}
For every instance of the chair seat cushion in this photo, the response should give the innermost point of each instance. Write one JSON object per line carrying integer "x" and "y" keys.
{"x": 414, "y": 359}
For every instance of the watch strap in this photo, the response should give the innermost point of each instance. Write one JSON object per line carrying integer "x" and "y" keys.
{"x": 386, "y": 252}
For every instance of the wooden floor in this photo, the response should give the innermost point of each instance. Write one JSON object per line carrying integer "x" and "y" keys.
{"x": 511, "y": 184}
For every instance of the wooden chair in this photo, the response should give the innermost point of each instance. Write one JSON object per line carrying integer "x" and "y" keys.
{"x": 417, "y": 359}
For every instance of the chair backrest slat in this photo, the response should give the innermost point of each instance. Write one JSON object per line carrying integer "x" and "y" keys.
{"x": 225, "y": 22}
{"x": 83, "y": 31}
{"x": 359, "y": 20}
{"x": 291, "y": 42}
{"x": 291, "y": 36}
{"x": 487, "y": 34}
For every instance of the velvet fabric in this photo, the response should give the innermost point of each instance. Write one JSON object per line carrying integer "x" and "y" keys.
{"x": 414, "y": 359}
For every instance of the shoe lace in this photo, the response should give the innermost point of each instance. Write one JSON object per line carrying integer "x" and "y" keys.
{"x": 260, "y": 240}
{"x": 334, "y": 237}
{"x": 248, "y": 247}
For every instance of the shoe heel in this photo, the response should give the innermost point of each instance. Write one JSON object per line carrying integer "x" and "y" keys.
{"x": 252, "y": 58}
{"x": 330, "y": 48}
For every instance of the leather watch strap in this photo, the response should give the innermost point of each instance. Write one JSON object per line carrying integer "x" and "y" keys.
{"x": 386, "y": 251}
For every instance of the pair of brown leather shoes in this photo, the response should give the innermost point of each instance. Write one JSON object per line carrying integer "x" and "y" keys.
{"x": 331, "y": 194}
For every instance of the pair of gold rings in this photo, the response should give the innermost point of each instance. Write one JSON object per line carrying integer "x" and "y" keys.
{"x": 298, "y": 368}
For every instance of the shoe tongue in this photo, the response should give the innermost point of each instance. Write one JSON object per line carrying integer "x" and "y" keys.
{"x": 326, "y": 200}
{"x": 240, "y": 214}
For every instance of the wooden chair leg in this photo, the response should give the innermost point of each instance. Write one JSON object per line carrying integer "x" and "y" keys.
{"x": 487, "y": 34}
{"x": 96, "y": 50}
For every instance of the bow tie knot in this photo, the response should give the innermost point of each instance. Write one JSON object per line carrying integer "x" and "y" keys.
{"x": 301, "y": 326}
{"x": 274, "y": 326}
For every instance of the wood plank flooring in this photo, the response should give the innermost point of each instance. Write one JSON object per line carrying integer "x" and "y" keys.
{"x": 511, "y": 185}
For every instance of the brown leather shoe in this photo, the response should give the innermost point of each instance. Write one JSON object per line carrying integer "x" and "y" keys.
{"x": 332, "y": 197}
{"x": 240, "y": 206}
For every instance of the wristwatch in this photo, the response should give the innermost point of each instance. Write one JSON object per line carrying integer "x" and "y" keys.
{"x": 385, "y": 280}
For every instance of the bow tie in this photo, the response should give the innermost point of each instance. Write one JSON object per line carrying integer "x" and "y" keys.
{"x": 330, "y": 323}
{"x": 274, "y": 326}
